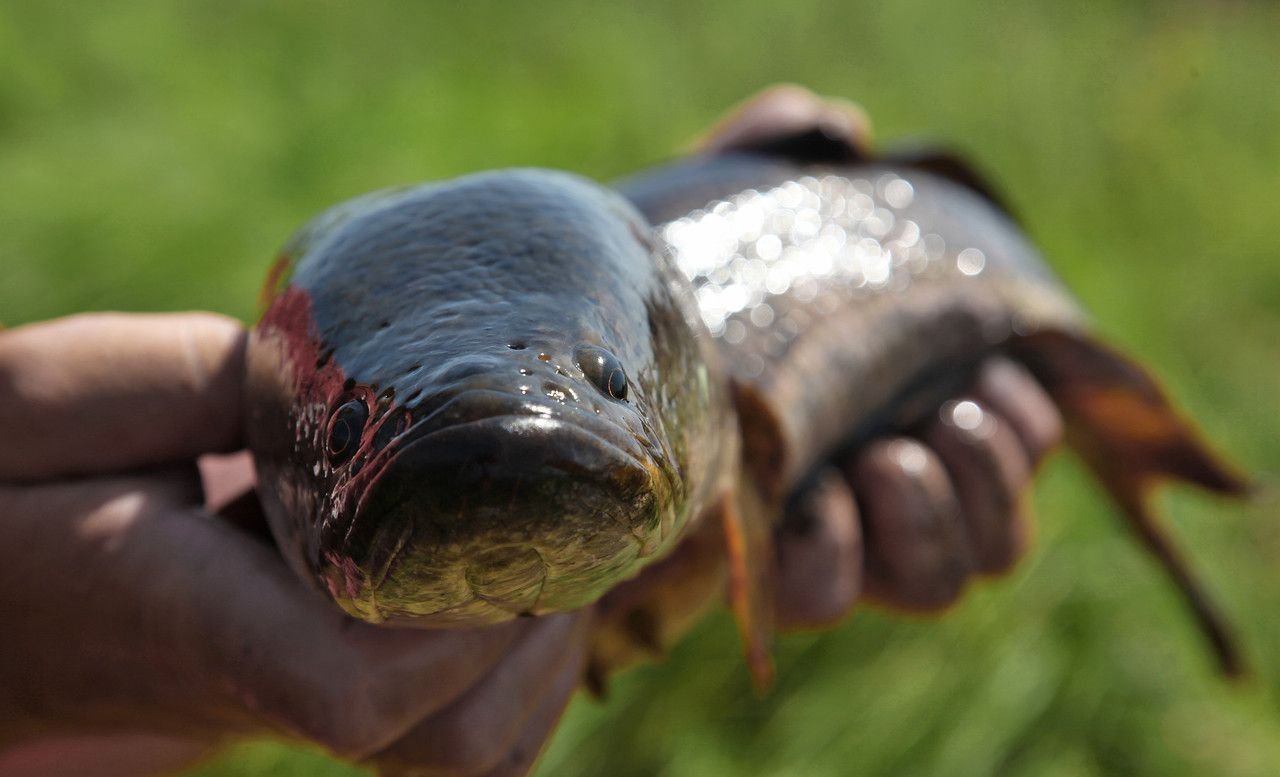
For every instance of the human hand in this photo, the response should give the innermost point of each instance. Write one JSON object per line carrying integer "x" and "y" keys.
{"x": 907, "y": 522}
{"x": 129, "y": 607}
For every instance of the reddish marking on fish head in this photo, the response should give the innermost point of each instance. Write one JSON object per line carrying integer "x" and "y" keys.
{"x": 317, "y": 386}
{"x": 318, "y": 376}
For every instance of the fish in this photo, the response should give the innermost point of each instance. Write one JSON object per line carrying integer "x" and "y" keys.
{"x": 508, "y": 394}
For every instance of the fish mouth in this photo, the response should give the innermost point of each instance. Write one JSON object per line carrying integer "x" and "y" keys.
{"x": 495, "y": 506}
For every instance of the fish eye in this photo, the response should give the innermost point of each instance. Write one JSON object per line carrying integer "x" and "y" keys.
{"x": 603, "y": 370}
{"x": 345, "y": 428}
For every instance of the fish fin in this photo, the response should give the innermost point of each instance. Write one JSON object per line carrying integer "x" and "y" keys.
{"x": 749, "y": 545}
{"x": 946, "y": 163}
{"x": 639, "y": 619}
{"x": 791, "y": 122}
{"x": 1122, "y": 424}
{"x": 729, "y": 551}
{"x": 764, "y": 448}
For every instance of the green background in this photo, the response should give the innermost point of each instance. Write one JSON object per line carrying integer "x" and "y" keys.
{"x": 153, "y": 157}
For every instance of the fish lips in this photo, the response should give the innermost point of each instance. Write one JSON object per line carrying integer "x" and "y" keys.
{"x": 510, "y": 514}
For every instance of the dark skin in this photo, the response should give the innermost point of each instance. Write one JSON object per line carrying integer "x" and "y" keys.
{"x": 146, "y": 627}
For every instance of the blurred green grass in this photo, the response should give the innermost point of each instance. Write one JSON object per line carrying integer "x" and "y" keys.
{"x": 153, "y": 156}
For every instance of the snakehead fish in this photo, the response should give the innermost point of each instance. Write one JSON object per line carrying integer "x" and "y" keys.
{"x": 506, "y": 394}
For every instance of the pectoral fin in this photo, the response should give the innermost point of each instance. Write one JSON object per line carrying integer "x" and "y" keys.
{"x": 749, "y": 545}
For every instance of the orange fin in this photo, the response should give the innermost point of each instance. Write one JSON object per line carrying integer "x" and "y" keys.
{"x": 1124, "y": 427}
{"x": 749, "y": 544}
{"x": 639, "y": 619}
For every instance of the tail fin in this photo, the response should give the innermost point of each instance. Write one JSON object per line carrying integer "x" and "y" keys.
{"x": 1125, "y": 429}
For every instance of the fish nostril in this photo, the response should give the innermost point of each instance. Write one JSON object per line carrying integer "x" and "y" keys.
{"x": 516, "y": 346}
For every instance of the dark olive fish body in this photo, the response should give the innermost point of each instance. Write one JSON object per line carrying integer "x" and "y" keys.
{"x": 506, "y": 394}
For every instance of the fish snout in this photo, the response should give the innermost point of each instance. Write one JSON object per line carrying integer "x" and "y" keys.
{"x": 509, "y": 514}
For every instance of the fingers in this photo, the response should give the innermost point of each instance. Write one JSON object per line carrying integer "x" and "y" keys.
{"x": 988, "y": 469}
{"x": 1020, "y": 403}
{"x": 916, "y": 518}
{"x": 786, "y": 110}
{"x": 819, "y": 555}
{"x": 110, "y": 391}
{"x": 110, "y": 755}
{"x": 918, "y": 557}
{"x": 938, "y": 510}
{"x": 523, "y": 694}
{"x": 185, "y": 625}
{"x": 539, "y": 726}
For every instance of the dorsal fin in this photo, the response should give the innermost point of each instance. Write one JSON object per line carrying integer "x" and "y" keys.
{"x": 949, "y": 164}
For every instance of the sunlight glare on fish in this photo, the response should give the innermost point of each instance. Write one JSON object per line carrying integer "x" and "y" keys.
{"x": 970, "y": 261}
